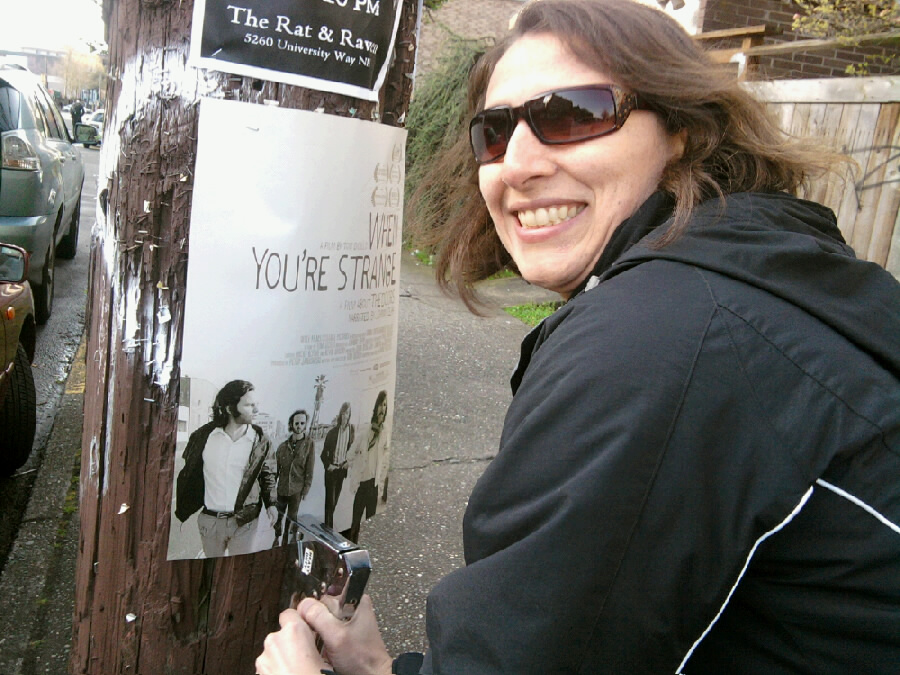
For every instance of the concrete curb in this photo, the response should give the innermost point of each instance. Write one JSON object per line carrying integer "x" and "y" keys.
{"x": 37, "y": 589}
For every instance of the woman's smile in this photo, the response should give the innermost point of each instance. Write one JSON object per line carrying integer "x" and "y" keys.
{"x": 542, "y": 217}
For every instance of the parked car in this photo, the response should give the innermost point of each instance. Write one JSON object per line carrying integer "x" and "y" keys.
{"x": 41, "y": 175}
{"x": 96, "y": 118}
{"x": 18, "y": 413}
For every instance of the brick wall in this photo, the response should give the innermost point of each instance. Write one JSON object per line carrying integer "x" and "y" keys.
{"x": 719, "y": 14}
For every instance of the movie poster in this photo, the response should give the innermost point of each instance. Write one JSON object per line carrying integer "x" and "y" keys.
{"x": 341, "y": 46}
{"x": 290, "y": 326}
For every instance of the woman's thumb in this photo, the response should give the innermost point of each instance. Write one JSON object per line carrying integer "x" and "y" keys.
{"x": 317, "y": 615}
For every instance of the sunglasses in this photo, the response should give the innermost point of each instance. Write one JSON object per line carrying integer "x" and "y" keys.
{"x": 555, "y": 117}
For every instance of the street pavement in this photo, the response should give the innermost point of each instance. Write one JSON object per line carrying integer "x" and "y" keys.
{"x": 452, "y": 393}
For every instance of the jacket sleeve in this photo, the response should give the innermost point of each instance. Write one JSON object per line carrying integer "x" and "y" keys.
{"x": 384, "y": 459}
{"x": 308, "y": 466}
{"x": 327, "y": 454}
{"x": 268, "y": 475}
{"x": 282, "y": 467}
{"x": 189, "y": 486}
{"x": 636, "y": 474}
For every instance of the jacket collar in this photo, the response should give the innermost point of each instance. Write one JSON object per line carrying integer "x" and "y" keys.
{"x": 654, "y": 212}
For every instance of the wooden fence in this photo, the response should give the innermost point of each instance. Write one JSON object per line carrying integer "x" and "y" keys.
{"x": 861, "y": 117}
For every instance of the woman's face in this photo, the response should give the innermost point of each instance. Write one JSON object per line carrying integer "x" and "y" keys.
{"x": 595, "y": 184}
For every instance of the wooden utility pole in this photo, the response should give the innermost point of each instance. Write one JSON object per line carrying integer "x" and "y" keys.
{"x": 136, "y": 612}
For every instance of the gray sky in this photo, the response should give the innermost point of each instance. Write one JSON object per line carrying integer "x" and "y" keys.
{"x": 49, "y": 24}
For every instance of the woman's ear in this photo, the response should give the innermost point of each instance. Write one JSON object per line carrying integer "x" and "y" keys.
{"x": 677, "y": 144}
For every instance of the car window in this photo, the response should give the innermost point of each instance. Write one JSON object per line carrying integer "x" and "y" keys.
{"x": 10, "y": 105}
{"x": 58, "y": 118}
{"x": 53, "y": 129}
{"x": 40, "y": 118}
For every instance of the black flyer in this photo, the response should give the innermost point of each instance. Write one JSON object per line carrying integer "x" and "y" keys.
{"x": 340, "y": 46}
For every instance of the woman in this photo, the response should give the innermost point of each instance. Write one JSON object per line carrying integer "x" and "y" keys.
{"x": 700, "y": 468}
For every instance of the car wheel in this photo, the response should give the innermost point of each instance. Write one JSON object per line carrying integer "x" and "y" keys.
{"x": 18, "y": 415}
{"x": 69, "y": 243}
{"x": 43, "y": 294}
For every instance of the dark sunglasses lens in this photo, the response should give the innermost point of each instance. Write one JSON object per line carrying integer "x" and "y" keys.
{"x": 575, "y": 114}
{"x": 490, "y": 131}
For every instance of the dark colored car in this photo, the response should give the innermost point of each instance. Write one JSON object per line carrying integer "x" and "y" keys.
{"x": 18, "y": 411}
{"x": 41, "y": 174}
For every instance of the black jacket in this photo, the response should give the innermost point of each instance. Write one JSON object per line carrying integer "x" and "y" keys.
{"x": 257, "y": 483}
{"x": 700, "y": 468}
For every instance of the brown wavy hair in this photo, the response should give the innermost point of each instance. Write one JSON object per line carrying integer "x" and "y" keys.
{"x": 732, "y": 142}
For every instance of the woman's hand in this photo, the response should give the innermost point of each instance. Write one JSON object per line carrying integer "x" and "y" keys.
{"x": 291, "y": 650}
{"x": 353, "y": 646}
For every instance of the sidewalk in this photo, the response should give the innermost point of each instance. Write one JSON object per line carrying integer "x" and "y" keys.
{"x": 37, "y": 588}
{"x": 452, "y": 394}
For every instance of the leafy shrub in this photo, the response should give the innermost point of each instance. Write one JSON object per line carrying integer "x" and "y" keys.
{"x": 849, "y": 20}
{"x": 434, "y": 122}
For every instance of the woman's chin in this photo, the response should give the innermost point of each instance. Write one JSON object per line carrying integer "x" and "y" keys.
{"x": 549, "y": 281}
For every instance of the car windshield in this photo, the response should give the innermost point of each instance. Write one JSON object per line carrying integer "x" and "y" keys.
{"x": 10, "y": 104}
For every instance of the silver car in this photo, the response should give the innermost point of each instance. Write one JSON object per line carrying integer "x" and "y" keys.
{"x": 40, "y": 180}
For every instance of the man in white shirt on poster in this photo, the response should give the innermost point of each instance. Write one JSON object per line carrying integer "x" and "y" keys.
{"x": 229, "y": 473}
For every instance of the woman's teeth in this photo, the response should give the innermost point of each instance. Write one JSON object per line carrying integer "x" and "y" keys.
{"x": 544, "y": 217}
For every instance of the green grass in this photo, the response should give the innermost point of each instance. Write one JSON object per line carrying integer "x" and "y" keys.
{"x": 533, "y": 314}
{"x": 423, "y": 257}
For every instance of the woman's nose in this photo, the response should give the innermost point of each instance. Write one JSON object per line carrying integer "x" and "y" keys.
{"x": 526, "y": 157}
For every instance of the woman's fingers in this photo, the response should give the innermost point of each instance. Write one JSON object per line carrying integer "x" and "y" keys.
{"x": 353, "y": 646}
{"x": 288, "y": 617}
{"x": 291, "y": 650}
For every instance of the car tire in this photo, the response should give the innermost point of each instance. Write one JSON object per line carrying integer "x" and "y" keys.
{"x": 18, "y": 416}
{"x": 68, "y": 245}
{"x": 43, "y": 294}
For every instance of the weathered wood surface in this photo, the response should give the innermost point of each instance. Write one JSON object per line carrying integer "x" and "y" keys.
{"x": 885, "y": 89}
{"x": 861, "y": 119}
{"x": 750, "y": 36}
{"x": 136, "y": 612}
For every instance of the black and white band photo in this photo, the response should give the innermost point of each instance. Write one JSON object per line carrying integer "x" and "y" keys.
{"x": 243, "y": 478}
{"x": 288, "y": 361}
